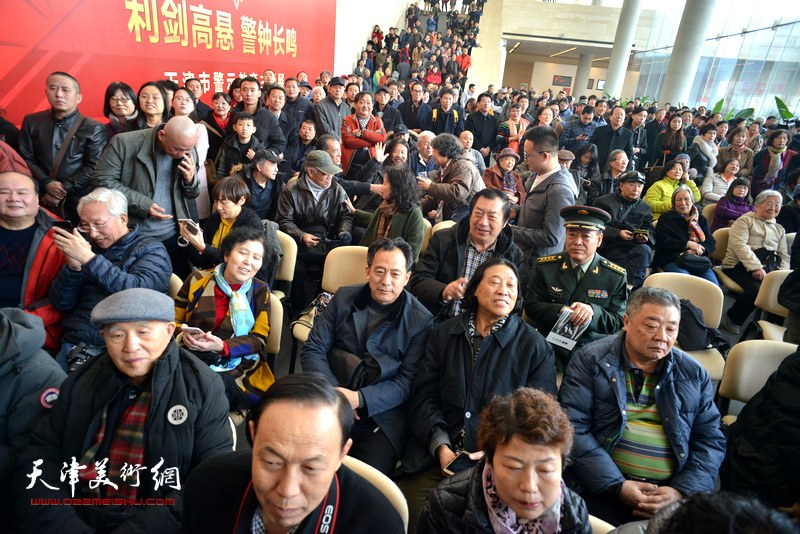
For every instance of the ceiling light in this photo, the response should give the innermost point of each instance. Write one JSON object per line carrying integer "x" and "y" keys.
{"x": 564, "y": 51}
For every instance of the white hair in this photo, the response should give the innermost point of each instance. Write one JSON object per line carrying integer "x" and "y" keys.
{"x": 427, "y": 134}
{"x": 115, "y": 202}
{"x": 764, "y": 195}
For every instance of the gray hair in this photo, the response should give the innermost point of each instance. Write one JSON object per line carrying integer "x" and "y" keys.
{"x": 680, "y": 188}
{"x": 764, "y": 195}
{"x": 651, "y": 295}
{"x": 114, "y": 201}
{"x": 427, "y": 134}
{"x": 447, "y": 145}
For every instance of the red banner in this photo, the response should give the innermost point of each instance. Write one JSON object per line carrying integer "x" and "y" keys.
{"x": 135, "y": 41}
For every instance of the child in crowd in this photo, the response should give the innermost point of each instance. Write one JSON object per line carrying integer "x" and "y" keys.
{"x": 240, "y": 148}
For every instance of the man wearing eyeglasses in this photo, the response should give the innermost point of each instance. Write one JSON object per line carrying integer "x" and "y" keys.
{"x": 118, "y": 257}
{"x": 540, "y": 230}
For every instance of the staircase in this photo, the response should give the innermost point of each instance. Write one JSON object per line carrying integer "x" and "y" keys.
{"x": 440, "y": 27}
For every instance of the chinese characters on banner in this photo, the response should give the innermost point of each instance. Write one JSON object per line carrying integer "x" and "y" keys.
{"x": 137, "y": 41}
{"x": 170, "y": 22}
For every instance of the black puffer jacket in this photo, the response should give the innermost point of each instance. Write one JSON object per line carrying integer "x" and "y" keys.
{"x": 444, "y": 257}
{"x": 763, "y": 456}
{"x": 299, "y": 213}
{"x": 187, "y": 423}
{"x": 133, "y": 261}
{"x": 458, "y": 506}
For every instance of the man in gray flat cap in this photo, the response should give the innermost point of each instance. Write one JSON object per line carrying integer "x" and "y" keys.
{"x": 127, "y": 428}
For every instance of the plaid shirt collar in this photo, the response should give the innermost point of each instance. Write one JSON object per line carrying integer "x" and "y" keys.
{"x": 257, "y": 525}
{"x": 472, "y": 260}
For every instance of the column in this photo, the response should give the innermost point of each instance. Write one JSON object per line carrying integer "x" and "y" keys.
{"x": 618, "y": 63}
{"x": 685, "y": 57}
{"x": 582, "y": 76}
{"x": 486, "y": 64}
{"x": 503, "y": 55}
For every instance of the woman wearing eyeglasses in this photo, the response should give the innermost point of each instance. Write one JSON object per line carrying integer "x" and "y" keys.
{"x": 116, "y": 257}
{"x": 119, "y": 105}
{"x": 756, "y": 246}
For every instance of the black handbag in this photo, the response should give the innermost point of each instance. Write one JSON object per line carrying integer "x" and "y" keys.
{"x": 349, "y": 369}
{"x": 770, "y": 260}
{"x": 693, "y": 263}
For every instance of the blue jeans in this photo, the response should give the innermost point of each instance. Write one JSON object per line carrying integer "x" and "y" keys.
{"x": 709, "y": 275}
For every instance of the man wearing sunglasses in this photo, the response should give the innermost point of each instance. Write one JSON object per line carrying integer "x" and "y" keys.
{"x": 112, "y": 258}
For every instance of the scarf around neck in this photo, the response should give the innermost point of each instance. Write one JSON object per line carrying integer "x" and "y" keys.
{"x": 242, "y": 318}
{"x": 696, "y": 233}
{"x": 774, "y": 168}
{"x": 504, "y": 519}
{"x": 709, "y": 151}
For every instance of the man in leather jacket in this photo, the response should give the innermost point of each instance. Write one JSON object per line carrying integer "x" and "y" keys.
{"x": 41, "y": 138}
{"x": 630, "y": 234}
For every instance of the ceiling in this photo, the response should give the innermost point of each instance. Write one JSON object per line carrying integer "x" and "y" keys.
{"x": 544, "y": 48}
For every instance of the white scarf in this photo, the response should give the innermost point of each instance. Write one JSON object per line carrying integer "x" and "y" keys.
{"x": 710, "y": 151}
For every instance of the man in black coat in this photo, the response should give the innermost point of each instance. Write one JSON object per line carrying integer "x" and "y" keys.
{"x": 414, "y": 111}
{"x": 276, "y": 99}
{"x": 628, "y": 238}
{"x": 293, "y": 479}
{"x": 268, "y": 129}
{"x": 385, "y": 111}
{"x": 128, "y": 425}
{"x": 483, "y": 126}
{"x": 382, "y": 325}
{"x": 613, "y": 136}
{"x": 42, "y": 135}
{"x": 454, "y": 253}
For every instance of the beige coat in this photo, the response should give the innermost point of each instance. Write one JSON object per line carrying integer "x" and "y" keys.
{"x": 745, "y": 164}
{"x": 750, "y": 232}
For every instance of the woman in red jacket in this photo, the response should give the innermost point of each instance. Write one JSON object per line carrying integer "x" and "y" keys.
{"x": 434, "y": 76}
{"x": 361, "y": 131}
{"x": 377, "y": 36}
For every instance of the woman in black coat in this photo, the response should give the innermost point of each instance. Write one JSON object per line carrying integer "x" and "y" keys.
{"x": 230, "y": 194}
{"x": 526, "y": 437}
{"x": 485, "y": 351}
{"x": 683, "y": 229}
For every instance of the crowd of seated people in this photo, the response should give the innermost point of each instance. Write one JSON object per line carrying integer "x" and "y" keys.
{"x": 560, "y": 207}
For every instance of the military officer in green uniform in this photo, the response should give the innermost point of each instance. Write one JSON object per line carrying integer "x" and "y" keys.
{"x": 579, "y": 279}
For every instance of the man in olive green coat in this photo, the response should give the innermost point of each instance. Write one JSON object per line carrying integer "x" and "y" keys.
{"x": 156, "y": 170}
{"x": 580, "y": 280}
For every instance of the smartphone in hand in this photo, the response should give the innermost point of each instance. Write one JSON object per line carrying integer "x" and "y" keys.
{"x": 190, "y": 225}
{"x": 461, "y": 462}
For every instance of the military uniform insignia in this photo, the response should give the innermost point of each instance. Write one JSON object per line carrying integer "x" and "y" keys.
{"x": 596, "y": 270}
{"x": 555, "y": 289}
{"x": 614, "y": 267}
{"x": 598, "y": 294}
{"x": 548, "y": 258}
{"x": 564, "y": 266}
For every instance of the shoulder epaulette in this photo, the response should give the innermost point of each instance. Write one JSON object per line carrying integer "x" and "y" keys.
{"x": 545, "y": 259}
{"x": 614, "y": 267}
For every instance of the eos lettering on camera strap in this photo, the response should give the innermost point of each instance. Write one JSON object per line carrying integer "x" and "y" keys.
{"x": 328, "y": 509}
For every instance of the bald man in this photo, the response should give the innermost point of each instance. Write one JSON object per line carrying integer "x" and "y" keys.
{"x": 156, "y": 170}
